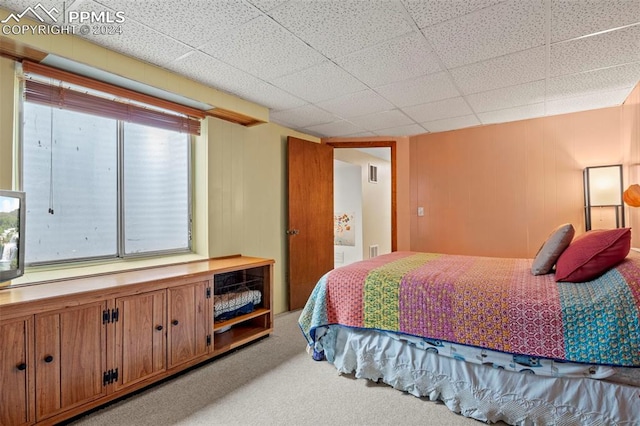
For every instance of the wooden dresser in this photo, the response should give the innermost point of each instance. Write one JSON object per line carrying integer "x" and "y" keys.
{"x": 72, "y": 345}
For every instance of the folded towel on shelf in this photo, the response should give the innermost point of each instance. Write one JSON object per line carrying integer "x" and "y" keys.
{"x": 229, "y": 305}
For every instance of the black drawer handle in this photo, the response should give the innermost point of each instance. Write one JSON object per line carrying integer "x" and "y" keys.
{"x": 159, "y": 327}
{"x": 22, "y": 366}
{"x": 174, "y": 322}
{"x": 48, "y": 358}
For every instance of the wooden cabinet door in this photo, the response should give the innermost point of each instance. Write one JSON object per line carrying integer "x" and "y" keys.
{"x": 70, "y": 351}
{"x": 189, "y": 322}
{"x": 140, "y": 337}
{"x": 16, "y": 372}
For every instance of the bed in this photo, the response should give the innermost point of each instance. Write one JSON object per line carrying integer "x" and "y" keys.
{"x": 486, "y": 336}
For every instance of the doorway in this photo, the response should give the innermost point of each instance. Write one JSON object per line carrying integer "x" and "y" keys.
{"x": 391, "y": 145}
{"x": 362, "y": 203}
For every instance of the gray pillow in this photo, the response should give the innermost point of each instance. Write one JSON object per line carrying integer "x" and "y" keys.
{"x": 552, "y": 248}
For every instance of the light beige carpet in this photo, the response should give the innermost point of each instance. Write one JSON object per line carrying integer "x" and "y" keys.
{"x": 272, "y": 382}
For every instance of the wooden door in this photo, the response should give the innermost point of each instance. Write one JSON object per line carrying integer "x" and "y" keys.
{"x": 70, "y": 352}
{"x": 310, "y": 224}
{"x": 16, "y": 372}
{"x": 140, "y": 337}
{"x": 189, "y": 322}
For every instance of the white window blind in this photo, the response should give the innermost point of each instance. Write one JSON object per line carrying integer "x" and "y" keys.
{"x": 70, "y": 177}
{"x": 156, "y": 190}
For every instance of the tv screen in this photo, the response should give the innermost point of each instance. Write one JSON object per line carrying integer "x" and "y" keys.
{"x": 12, "y": 224}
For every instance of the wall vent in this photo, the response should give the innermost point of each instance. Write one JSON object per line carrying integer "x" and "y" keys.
{"x": 373, "y": 173}
{"x": 373, "y": 251}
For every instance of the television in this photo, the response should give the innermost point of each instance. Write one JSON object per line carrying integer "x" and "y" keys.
{"x": 12, "y": 225}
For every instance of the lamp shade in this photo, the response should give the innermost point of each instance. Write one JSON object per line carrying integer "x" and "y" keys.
{"x": 605, "y": 186}
{"x": 631, "y": 195}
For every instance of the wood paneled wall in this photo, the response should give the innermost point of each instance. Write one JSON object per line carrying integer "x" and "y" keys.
{"x": 499, "y": 190}
{"x": 631, "y": 133}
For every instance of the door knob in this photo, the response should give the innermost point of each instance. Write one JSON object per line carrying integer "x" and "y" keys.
{"x": 293, "y": 232}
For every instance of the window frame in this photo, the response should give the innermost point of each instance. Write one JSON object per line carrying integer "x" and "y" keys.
{"x": 120, "y": 254}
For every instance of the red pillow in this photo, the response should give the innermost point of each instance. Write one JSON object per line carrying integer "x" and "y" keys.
{"x": 592, "y": 254}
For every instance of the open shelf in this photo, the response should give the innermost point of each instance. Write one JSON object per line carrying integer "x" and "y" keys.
{"x": 218, "y": 325}
{"x": 237, "y": 336}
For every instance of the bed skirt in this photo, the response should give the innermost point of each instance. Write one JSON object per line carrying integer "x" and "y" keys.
{"x": 479, "y": 391}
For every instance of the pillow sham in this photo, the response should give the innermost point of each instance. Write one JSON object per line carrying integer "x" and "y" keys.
{"x": 552, "y": 248}
{"x": 592, "y": 254}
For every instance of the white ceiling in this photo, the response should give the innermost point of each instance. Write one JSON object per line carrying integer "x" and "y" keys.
{"x": 388, "y": 67}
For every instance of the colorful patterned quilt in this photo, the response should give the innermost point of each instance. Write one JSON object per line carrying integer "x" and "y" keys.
{"x": 492, "y": 303}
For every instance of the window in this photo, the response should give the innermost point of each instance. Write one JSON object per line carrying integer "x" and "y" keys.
{"x": 100, "y": 186}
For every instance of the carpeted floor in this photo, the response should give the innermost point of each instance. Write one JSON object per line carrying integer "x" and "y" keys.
{"x": 272, "y": 382}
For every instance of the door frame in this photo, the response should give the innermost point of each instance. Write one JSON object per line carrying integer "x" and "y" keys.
{"x": 380, "y": 144}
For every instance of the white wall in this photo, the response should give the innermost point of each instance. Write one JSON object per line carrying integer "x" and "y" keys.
{"x": 347, "y": 198}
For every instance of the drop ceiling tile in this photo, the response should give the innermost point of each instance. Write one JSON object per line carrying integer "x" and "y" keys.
{"x": 573, "y": 18}
{"x": 137, "y": 40}
{"x": 360, "y": 135}
{"x": 587, "y": 102}
{"x": 319, "y": 82}
{"x": 194, "y": 22}
{"x": 354, "y": 104}
{"x": 393, "y": 60}
{"x": 337, "y": 128}
{"x": 267, "y": 5}
{"x": 447, "y": 108}
{"x": 265, "y": 94}
{"x": 304, "y": 116}
{"x": 419, "y": 90}
{"x": 607, "y": 79}
{"x": 510, "y": 70}
{"x": 451, "y": 123}
{"x": 263, "y": 48}
{"x": 599, "y": 51}
{"x": 494, "y": 31}
{"x": 212, "y": 72}
{"x": 382, "y": 120}
{"x": 339, "y": 27}
{"x": 409, "y": 130}
{"x": 430, "y": 12}
{"x": 508, "y": 97}
{"x": 512, "y": 114}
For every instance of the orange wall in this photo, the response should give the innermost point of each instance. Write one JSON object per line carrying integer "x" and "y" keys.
{"x": 631, "y": 133}
{"x": 499, "y": 190}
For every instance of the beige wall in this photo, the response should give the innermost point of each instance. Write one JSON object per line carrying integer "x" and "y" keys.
{"x": 6, "y": 122}
{"x": 499, "y": 190}
{"x": 247, "y": 194}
